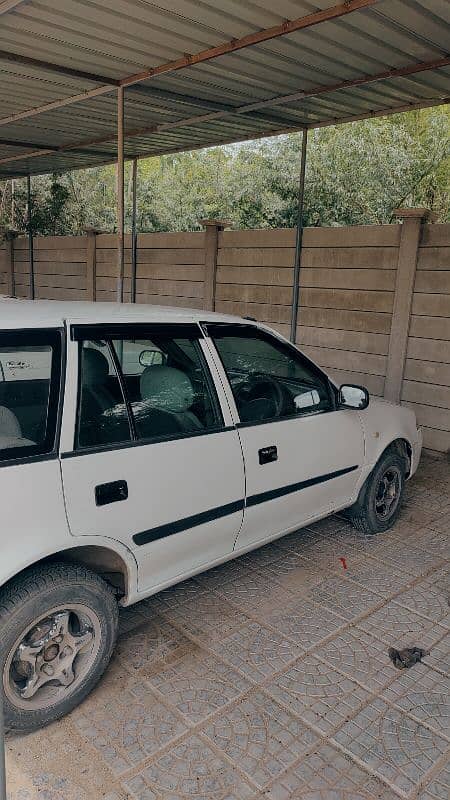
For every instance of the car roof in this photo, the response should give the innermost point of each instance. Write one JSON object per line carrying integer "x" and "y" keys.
{"x": 18, "y": 313}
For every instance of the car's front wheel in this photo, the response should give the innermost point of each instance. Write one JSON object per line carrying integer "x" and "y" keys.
{"x": 58, "y": 627}
{"x": 379, "y": 503}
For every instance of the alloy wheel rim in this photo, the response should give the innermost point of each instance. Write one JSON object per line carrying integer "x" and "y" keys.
{"x": 387, "y": 495}
{"x": 52, "y": 657}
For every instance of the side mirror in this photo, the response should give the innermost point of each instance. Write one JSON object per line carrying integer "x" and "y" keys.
{"x": 151, "y": 358}
{"x": 353, "y": 396}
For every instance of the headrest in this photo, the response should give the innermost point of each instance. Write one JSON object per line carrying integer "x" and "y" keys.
{"x": 94, "y": 368}
{"x": 167, "y": 388}
{"x": 9, "y": 424}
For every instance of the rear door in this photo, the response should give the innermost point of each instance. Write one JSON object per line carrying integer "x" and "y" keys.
{"x": 303, "y": 455}
{"x": 33, "y": 520}
{"x": 156, "y": 463}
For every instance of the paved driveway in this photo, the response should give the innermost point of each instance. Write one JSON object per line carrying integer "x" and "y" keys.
{"x": 269, "y": 677}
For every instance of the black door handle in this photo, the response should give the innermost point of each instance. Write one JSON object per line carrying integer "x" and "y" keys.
{"x": 268, "y": 454}
{"x": 112, "y": 492}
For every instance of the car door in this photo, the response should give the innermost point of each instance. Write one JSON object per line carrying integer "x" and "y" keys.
{"x": 303, "y": 455}
{"x": 33, "y": 519}
{"x": 156, "y": 463}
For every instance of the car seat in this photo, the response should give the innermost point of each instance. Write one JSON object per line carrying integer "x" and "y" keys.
{"x": 10, "y": 430}
{"x": 170, "y": 390}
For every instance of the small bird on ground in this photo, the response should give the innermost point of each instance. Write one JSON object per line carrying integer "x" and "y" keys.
{"x": 406, "y": 658}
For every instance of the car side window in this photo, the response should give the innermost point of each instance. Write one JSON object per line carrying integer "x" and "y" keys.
{"x": 269, "y": 379}
{"x": 102, "y": 412}
{"x": 30, "y": 369}
{"x": 167, "y": 385}
{"x": 140, "y": 388}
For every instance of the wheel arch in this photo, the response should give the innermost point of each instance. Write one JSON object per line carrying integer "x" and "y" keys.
{"x": 118, "y": 569}
{"x": 404, "y": 450}
{"x": 399, "y": 445}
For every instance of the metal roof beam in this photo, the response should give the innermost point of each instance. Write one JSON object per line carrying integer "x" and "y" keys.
{"x": 10, "y": 5}
{"x": 264, "y": 35}
{"x": 250, "y": 107}
{"x": 55, "y": 104}
{"x": 31, "y": 145}
{"x": 48, "y": 66}
{"x": 381, "y": 113}
{"x": 399, "y": 72}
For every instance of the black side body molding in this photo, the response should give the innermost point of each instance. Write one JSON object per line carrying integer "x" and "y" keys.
{"x": 144, "y": 537}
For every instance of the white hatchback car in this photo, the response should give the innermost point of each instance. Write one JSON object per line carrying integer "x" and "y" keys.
{"x": 140, "y": 445}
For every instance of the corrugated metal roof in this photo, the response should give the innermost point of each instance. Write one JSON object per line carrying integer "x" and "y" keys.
{"x": 61, "y": 60}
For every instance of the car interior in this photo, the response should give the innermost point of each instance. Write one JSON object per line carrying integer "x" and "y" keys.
{"x": 267, "y": 382}
{"x": 167, "y": 397}
{"x": 24, "y": 396}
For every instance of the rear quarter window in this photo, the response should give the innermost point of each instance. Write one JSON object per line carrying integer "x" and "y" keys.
{"x": 30, "y": 372}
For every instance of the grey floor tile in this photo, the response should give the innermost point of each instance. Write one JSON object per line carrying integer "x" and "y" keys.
{"x": 130, "y": 618}
{"x": 192, "y": 770}
{"x": 372, "y": 575}
{"x": 295, "y": 573}
{"x": 400, "y": 627}
{"x": 257, "y": 651}
{"x": 416, "y": 561}
{"x": 399, "y": 749}
{"x": 177, "y": 594}
{"x": 230, "y": 571}
{"x": 157, "y": 643}
{"x": 442, "y": 523}
{"x": 260, "y": 737}
{"x": 128, "y": 728}
{"x": 439, "y": 785}
{"x": 345, "y": 597}
{"x": 328, "y": 774}
{"x": 305, "y": 623}
{"x": 318, "y": 693}
{"x": 428, "y": 600}
{"x": 207, "y": 616}
{"x": 197, "y": 686}
{"x": 255, "y": 590}
{"x": 439, "y": 656}
{"x": 360, "y": 656}
{"x": 423, "y": 693}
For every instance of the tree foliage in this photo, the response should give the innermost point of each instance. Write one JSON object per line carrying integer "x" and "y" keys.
{"x": 357, "y": 173}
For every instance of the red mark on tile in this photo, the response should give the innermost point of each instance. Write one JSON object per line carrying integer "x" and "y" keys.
{"x": 343, "y": 562}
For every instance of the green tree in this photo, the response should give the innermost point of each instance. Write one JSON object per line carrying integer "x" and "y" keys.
{"x": 357, "y": 173}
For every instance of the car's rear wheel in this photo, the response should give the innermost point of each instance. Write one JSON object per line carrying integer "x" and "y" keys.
{"x": 379, "y": 503}
{"x": 59, "y": 626}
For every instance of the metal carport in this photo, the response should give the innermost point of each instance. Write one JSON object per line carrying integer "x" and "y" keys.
{"x": 84, "y": 84}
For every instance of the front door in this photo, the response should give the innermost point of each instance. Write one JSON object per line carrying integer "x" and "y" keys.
{"x": 303, "y": 456}
{"x": 156, "y": 463}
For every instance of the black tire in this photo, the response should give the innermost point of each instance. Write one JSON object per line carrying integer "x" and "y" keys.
{"x": 365, "y": 514}
{"x": 34, "y": 596}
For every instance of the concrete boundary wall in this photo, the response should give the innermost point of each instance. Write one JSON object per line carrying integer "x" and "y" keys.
{"x": 374, "y": 305}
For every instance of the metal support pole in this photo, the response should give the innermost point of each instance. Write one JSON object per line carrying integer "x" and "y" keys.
{"x": 30, "y": 237}
{"x": 133, "y": 231}
{"x": 299, "y": 238}
{"x": 2, "y": 752}
{"x": 120, "y": 195}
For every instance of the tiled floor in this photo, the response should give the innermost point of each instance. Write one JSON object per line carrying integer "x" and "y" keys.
{"x": 269, "y": 677}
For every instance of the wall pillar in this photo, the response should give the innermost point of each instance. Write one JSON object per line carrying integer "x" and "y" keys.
{"x": 10, "y": 236}
{"x": 91, "y": 263}
{"x": 213, "y": 226}
{"x": 411, "y": 229}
